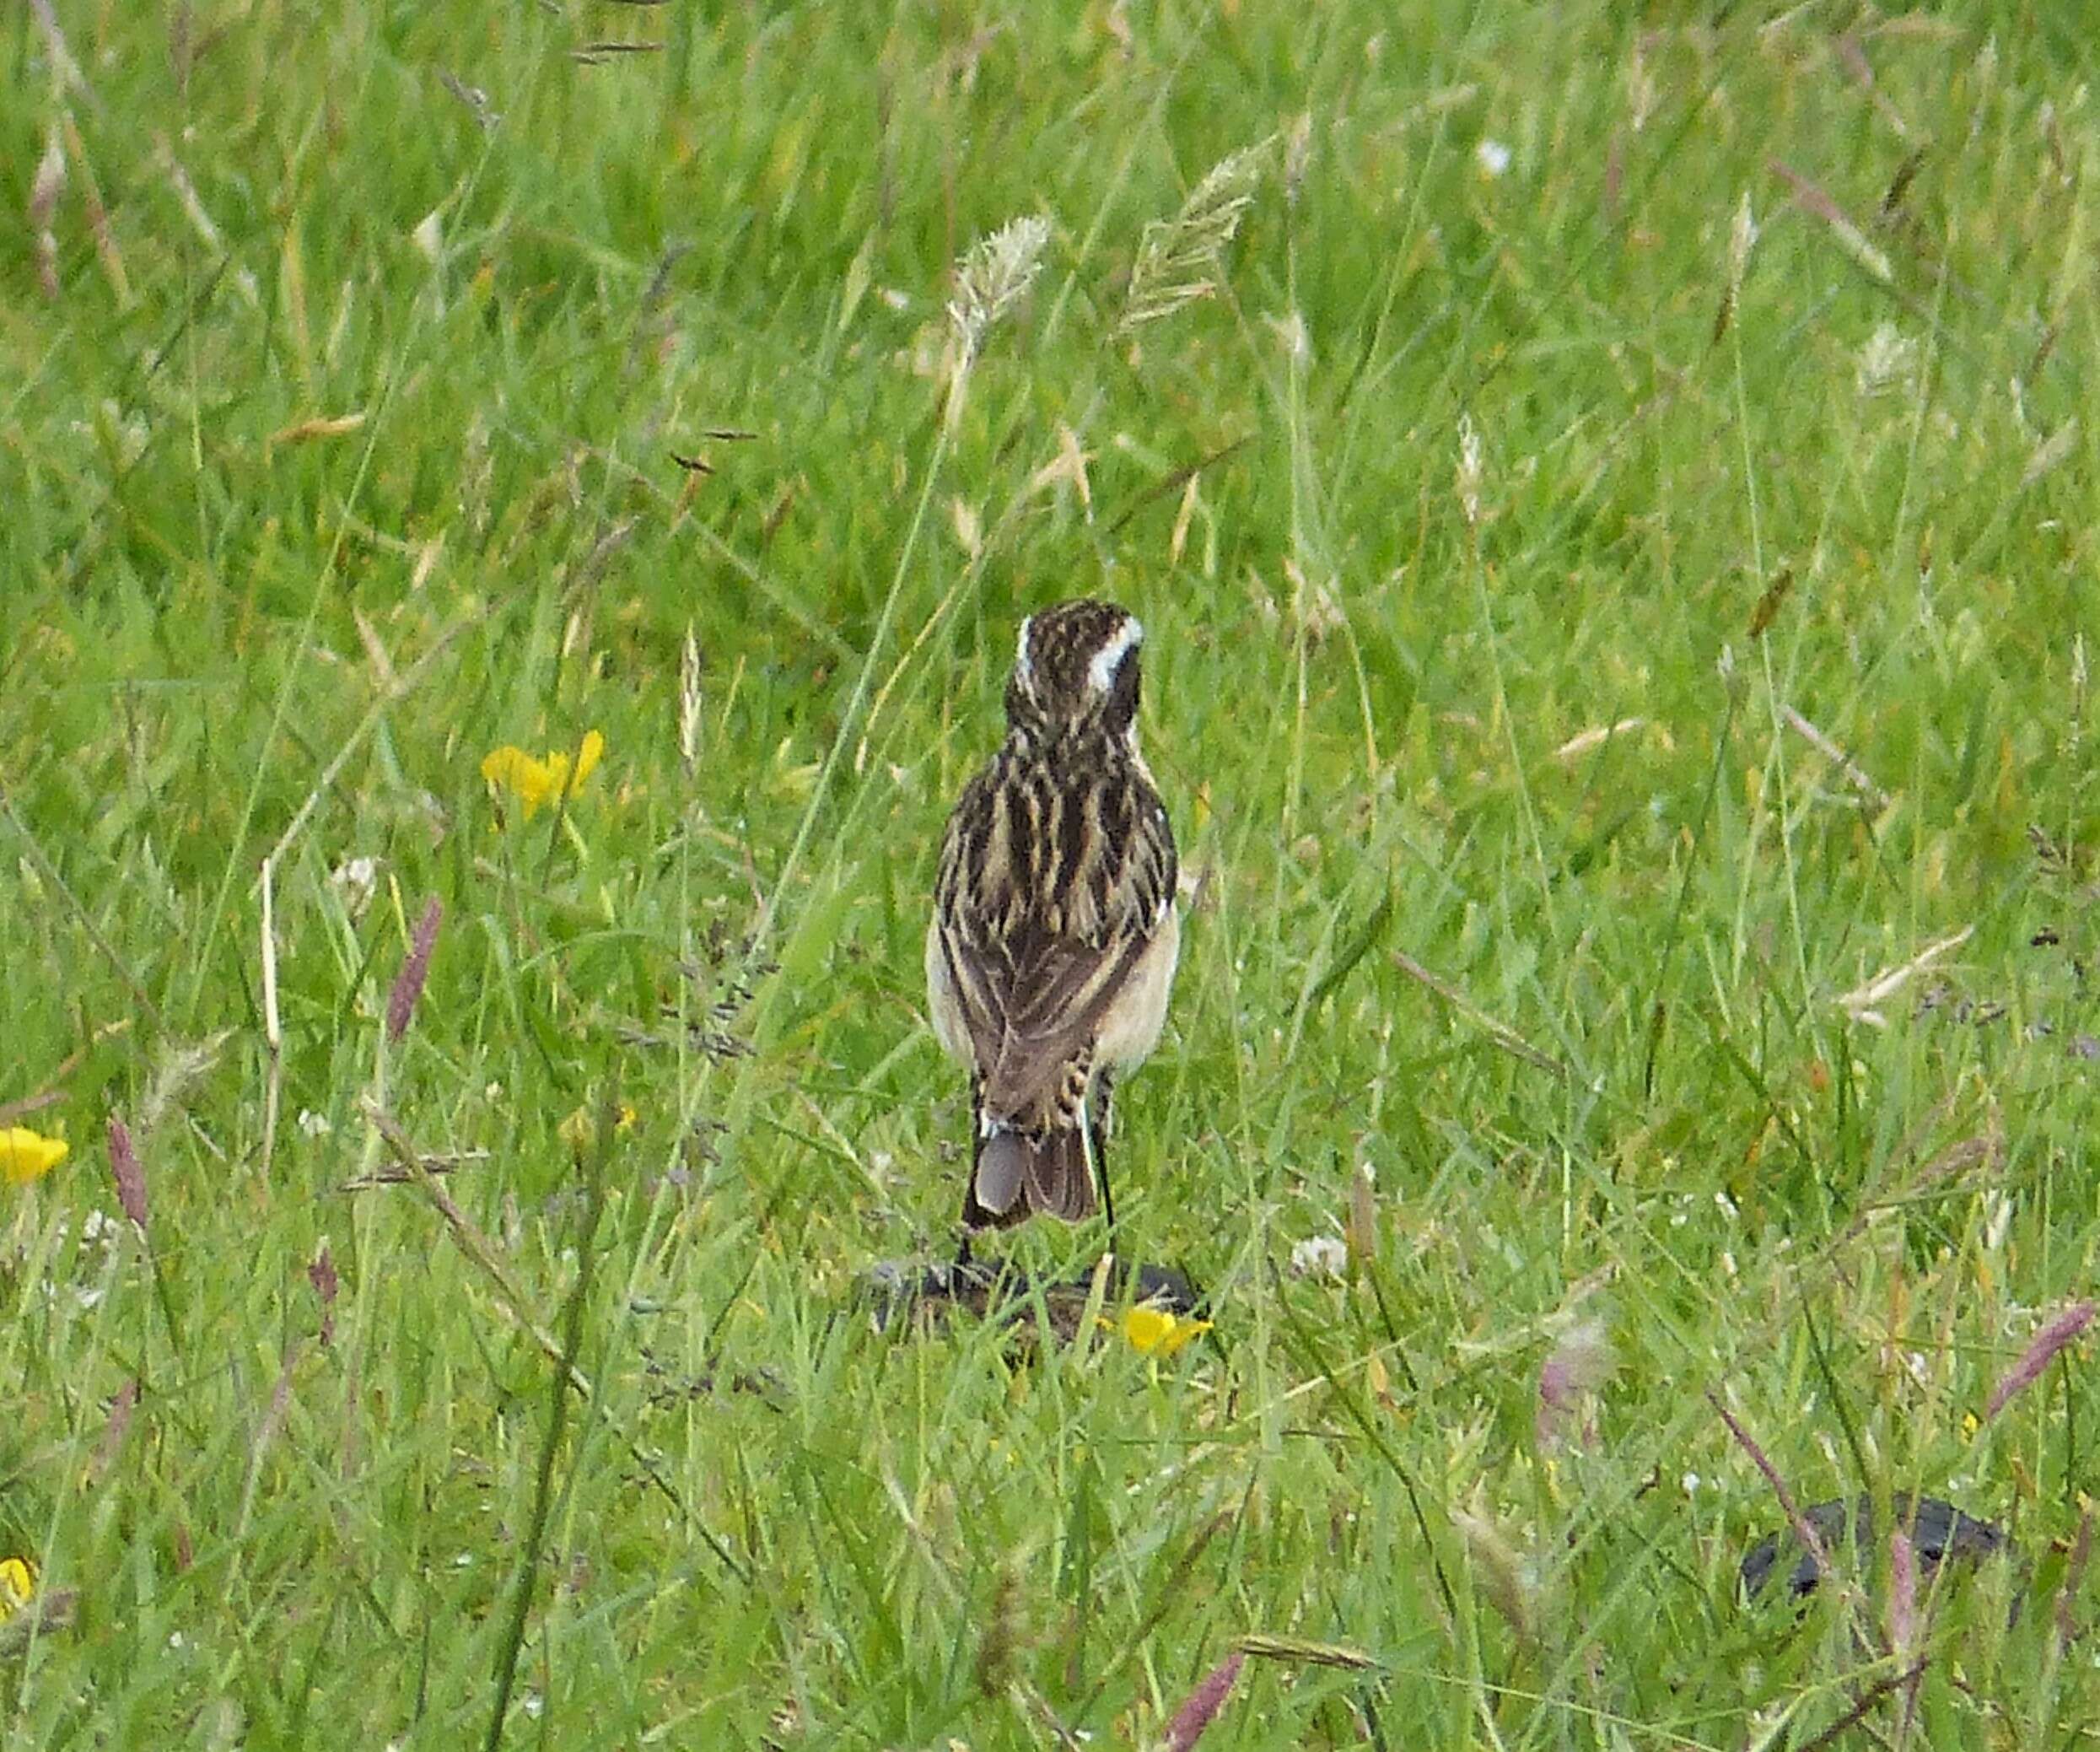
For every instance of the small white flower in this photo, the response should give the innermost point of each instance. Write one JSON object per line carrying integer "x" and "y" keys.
{"x": 1319, "y": 1256}
{"x": 312, "y": 1125}
{"x": 1691, "y": 1481}
{"x": 354, "y": 880}
{"x": 1491, "y": 156}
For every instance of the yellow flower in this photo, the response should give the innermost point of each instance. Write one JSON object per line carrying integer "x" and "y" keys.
{"x": 1157, "y": 1333}
{"x": 27, "y": 1156}
{"x": 18, "y": 1585}
{"x": 533, "y": 780}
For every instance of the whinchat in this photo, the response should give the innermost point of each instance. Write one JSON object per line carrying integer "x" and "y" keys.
{"x": 1054, "y": 940}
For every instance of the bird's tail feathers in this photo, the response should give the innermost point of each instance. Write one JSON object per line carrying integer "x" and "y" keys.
{"x": 1019, "y": 1173}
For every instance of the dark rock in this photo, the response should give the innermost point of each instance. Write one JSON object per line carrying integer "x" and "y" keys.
{"x": 896, "y": 1290}
{"x": 1937, "y": 1529}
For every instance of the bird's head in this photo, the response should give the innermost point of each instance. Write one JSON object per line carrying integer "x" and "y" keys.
{"x": 1076, "y": 669}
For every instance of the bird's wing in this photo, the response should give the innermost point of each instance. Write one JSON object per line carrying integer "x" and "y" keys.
{"x": 1056, "y": 1007}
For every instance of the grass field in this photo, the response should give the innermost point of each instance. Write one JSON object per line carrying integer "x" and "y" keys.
{"x": 1611, "y": 502}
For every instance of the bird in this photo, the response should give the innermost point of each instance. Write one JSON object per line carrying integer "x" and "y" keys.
{"x": 1050, "y": 952}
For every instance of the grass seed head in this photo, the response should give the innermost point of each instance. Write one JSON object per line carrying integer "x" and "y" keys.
{"x": 2040, "y": 1352}
{"x": 1179, "y": 259}
{"x": 44, "y": 191}
{"x": 1500, "y": 1569}
{"x": 689, "y": 703}
{"x": 1203, "y": 1703}
{"x": 1579, "y": 1364}
{"x": 1743, "y": 238}
{"x": 1469, "y": 470}
{"x": 180, "y": 1068}
{"x": 124, "y": 1169}
{"x": 993, "y": 278}
{"x": 990, "y": 281}
{"x": 408, "y": 983}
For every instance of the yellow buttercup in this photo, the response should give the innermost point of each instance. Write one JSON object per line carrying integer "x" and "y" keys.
{"x": 534, "y": 780}
{"x": 27, "y": 1156}
{"x": 18, "y": 1585}
{"x": 1157, "y": 1333}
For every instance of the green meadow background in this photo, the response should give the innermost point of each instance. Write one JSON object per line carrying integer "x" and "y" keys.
{"x": 1614, "y": 515}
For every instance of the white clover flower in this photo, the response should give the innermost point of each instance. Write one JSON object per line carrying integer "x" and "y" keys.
{"x": 1319, "y": 1256}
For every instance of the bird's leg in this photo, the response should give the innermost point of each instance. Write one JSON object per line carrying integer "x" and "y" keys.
{"x": 1096, "y": 1118}
{"x": 966, "y": 1265}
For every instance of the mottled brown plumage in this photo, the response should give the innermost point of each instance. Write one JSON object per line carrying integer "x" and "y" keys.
{"x": 1052, "y": 945}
